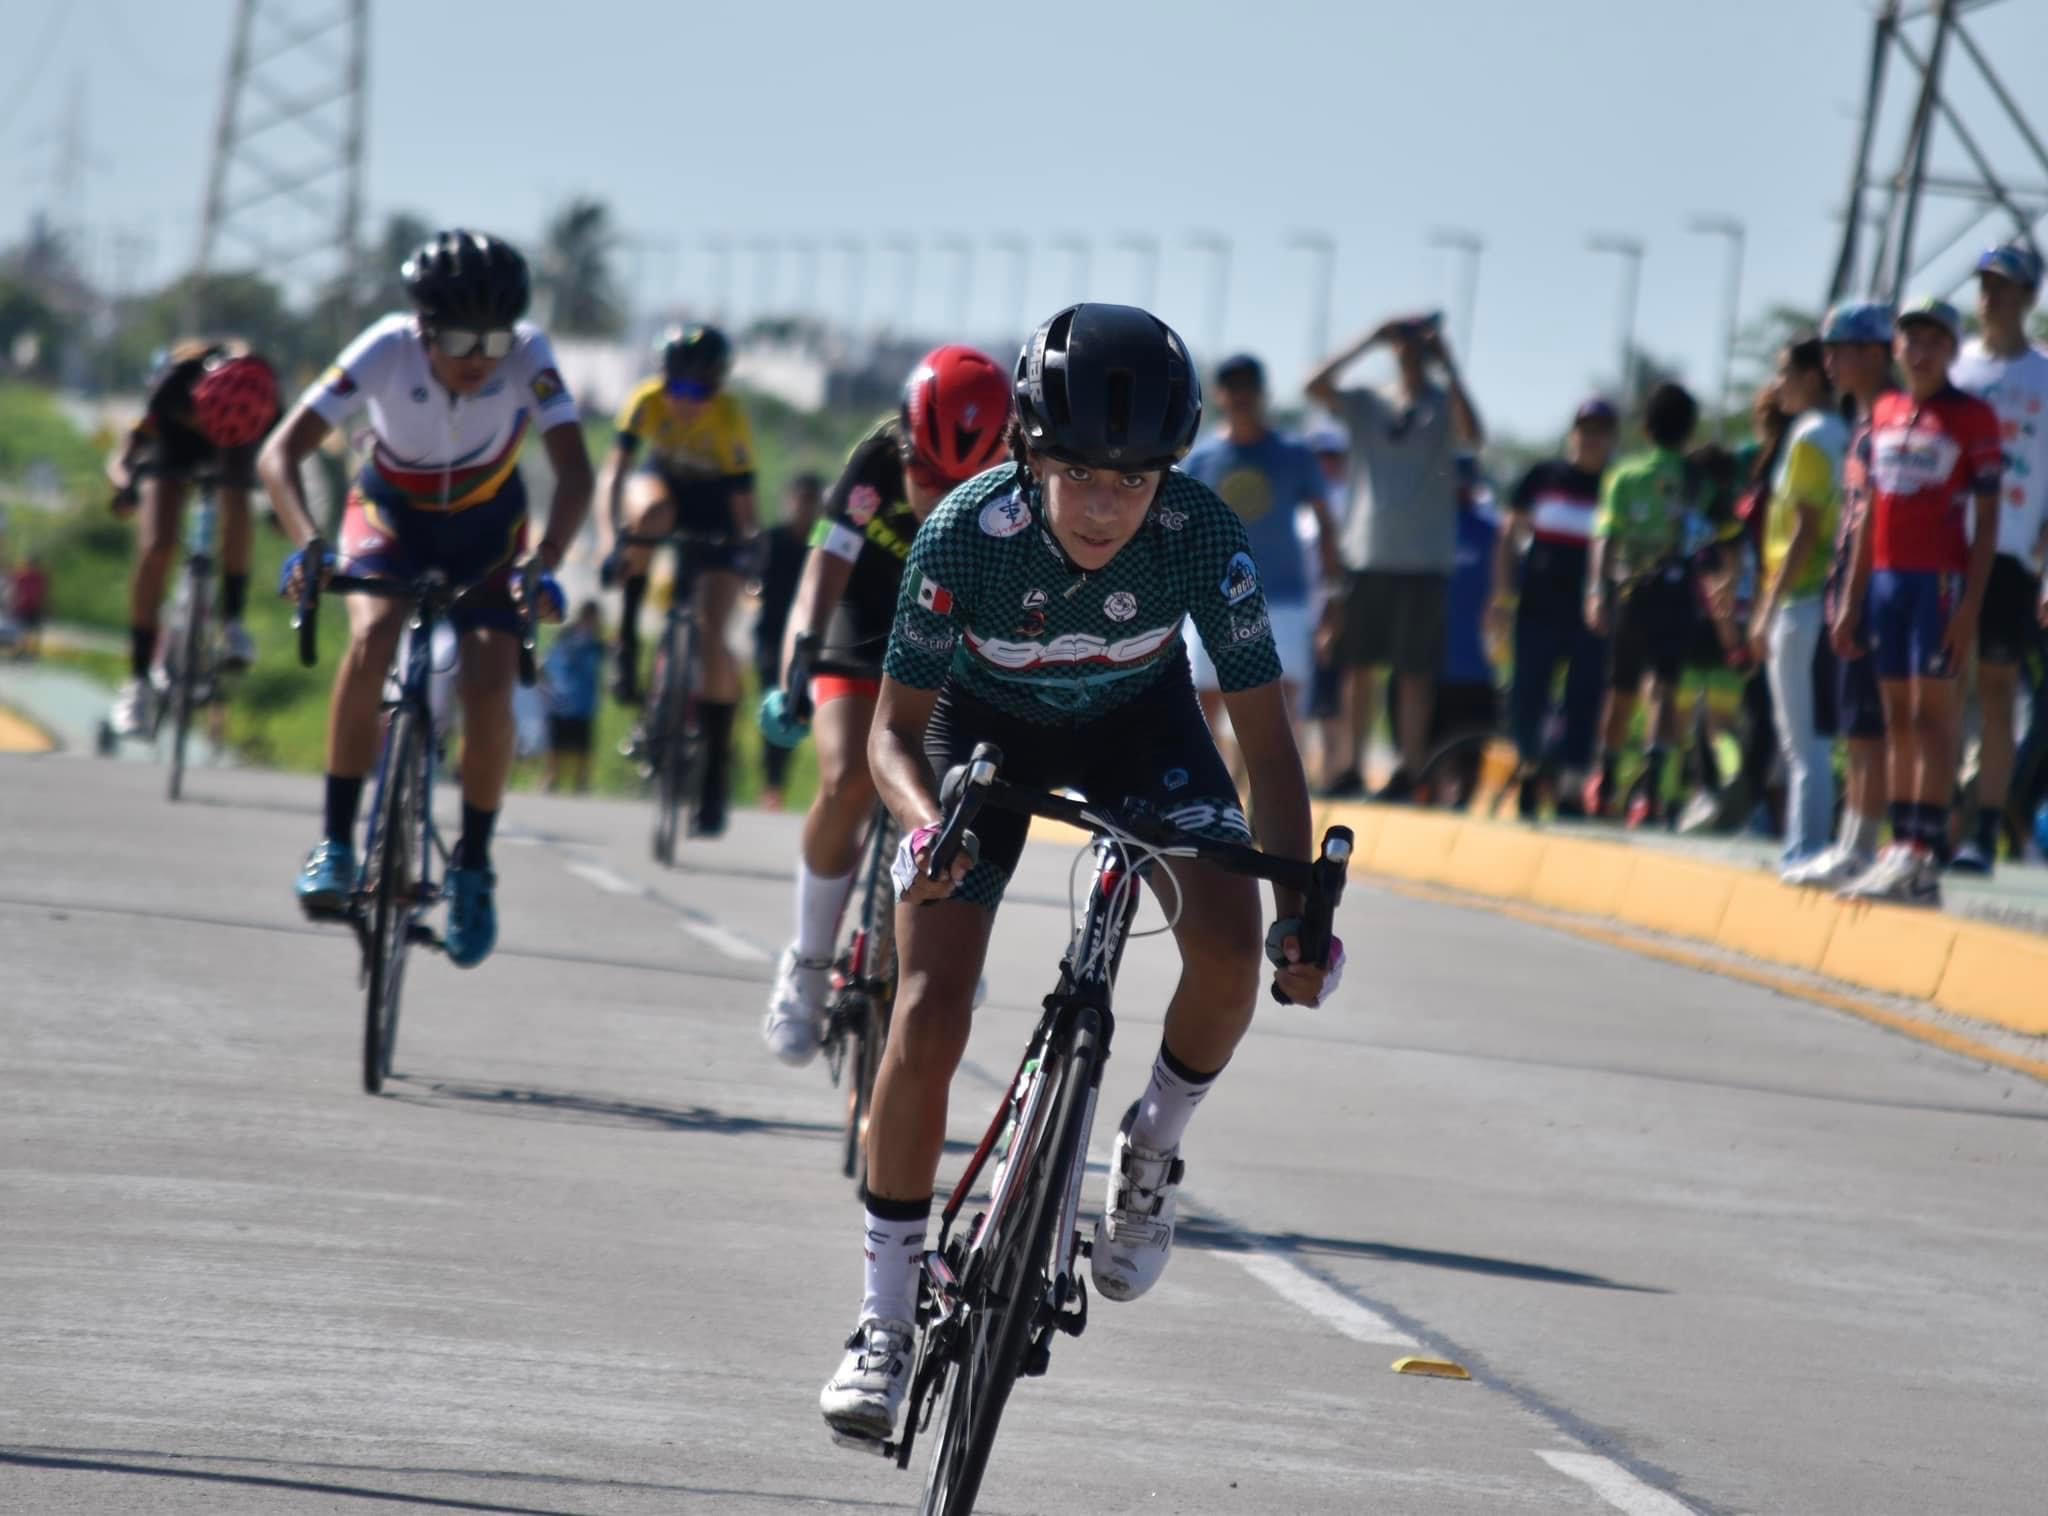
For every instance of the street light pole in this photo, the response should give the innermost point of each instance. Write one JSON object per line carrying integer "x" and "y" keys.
{"x": 720, "y": 249}
{"x": 856, "y": 252}
{"x": 1078, "y": 271}
{"x": 1322, "y": 247}
{"x": 1630, "y": 251}
{"x": 1737, "y": 234}
{"x": 1470, "y": 246}
{"x": 1019, "y": 249}
{"x": 905, "y": 248}
{"x": 766, "y": 251}
{"x": 1218, "y": 247}
{"x": 963, "y": 282}
{"x": 1147, "y": 249}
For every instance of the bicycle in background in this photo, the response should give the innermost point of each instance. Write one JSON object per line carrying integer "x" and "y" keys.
{"x": 669, "y": 742}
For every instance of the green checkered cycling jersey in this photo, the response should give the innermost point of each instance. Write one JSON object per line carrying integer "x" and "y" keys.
{"x": 991, "y": 602}
{"x": 1643, "y": 513}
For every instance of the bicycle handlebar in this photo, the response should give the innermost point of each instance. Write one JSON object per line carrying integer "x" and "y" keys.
{"x": 970, "y": 786}
{"x": 306, "y": 617}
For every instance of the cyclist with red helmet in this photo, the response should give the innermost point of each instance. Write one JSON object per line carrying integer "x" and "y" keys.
{"x": 210, "y": 402}
{"x": 953, "y": 424}
{"x": 452, "y": 390}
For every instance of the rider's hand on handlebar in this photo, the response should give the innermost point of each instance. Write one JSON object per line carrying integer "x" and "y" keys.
{"x": 1302, "y": 983}
{"x": 549, "y": 602}
{"x": 291, "y": 577}
{"x": 913, "y": 862}
{"x": 611, "y": 573}
{"x": 125, "y": 502}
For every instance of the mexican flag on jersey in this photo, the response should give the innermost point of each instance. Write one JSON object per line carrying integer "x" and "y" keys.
{"x": 933, "y": 596}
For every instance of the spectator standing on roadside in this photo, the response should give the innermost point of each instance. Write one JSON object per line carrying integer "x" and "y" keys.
{"x": 1325, "y": 690}
{"x": 31, "y": 593}
{"x": 1539, "y": 584}
{"x": 2006, "y": 371}
{"x": 1787, "y": 632}
{"x": 783, "y": 547}
{"x": 1857, "y": 338}
{"x": 1467, "y": 698}
{"x": 1639, "y": 591}
{"x": 1400, "y": 540}
{"x": 1266, "y": 479}
{"x": 1934, "y": 456}
{"x": 570, "y": 678}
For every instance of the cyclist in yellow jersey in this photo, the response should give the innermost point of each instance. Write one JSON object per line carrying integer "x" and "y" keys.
{"x": 697, "y": 476}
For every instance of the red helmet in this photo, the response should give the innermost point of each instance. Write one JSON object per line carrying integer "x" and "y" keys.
{"x": 235, "y": 400}
{"x": 956, "y": 415}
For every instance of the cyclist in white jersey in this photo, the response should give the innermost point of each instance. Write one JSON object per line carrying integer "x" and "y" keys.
{"x": 451, "y": 391}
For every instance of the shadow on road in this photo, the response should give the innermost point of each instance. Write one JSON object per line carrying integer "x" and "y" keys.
{"x": 595, "y": 1110}
{"x": 174, "y": 1466}
{"x": 1206, "y": 1232}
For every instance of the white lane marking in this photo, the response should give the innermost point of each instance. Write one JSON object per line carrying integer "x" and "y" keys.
{"x": 1298, "y": 1288}
{"x": 604, "y": 879}
{"x": 1615, "y": 1484}
{"x": 729, "y": 943}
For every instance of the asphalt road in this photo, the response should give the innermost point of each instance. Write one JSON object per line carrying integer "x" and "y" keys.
{"x": 1702, "y": 1247}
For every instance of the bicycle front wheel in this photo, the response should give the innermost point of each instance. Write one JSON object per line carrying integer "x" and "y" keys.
{"x": 185, "y": 686}
{"x": 1020, "y": 1267}
{"x": 393, "y": 869}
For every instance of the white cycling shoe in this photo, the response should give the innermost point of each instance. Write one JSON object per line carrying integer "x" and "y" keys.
{"x": 863, "y": 1398}
{"x": 237, "y": 647}
{"x": 135, "y": 709}
{"x": 1134, "y": 1238}
{"x": 1829, "y": 871}
{"x": 796, "y": 1007}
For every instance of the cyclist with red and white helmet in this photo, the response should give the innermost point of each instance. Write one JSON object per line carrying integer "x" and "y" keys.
{"x": 953, "y": 424}
{"x": 210, "y": 402}
{"x": 452, "y": 390}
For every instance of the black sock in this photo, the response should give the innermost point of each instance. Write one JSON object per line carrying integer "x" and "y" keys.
{"x": 141, "y": 649}
{"x": 1653, "y": 773}
{"x": 474, "y": 846}
{"x": 632, "y": 594}
{"x": 715, "y": 722}
{"x": 1989, "y": 824}
{"x": 1934, "y": 830}
{"x": 1904, "y": 821}
{"x": 234, "y": 596}
{"x": 344, "y": 796}
{"x": 1607, "y": 760}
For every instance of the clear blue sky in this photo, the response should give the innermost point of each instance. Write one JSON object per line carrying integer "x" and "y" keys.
{"x": 1531, "y": 123}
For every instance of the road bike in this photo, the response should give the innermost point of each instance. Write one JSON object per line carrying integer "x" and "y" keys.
{"x": 997, "y": 1291}
{"x": 669, "y": 742}
{"x": 396, "y": 886}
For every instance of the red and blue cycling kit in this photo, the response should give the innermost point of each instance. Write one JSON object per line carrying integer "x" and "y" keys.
{"x": 1928, "y": 460}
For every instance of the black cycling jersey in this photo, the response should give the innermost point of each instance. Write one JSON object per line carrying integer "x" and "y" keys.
{"x": 868, "y": 523}
{"x": 1560, "y": 501}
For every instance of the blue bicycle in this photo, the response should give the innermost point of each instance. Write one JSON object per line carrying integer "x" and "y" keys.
{"x": 396, "y": 887}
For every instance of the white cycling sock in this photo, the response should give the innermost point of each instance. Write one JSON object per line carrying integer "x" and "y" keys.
{"x": 1863, "y": 835}
{"x": 1168, "y": 1103}
{"x": 895, "y": 1253}
{"x": 819, "y": 900}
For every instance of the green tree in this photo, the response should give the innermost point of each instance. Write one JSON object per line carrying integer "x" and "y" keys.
{"x": 576, "y": 271}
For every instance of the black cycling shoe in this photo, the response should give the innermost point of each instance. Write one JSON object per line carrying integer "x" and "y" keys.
{"x": 1349, "y": 785}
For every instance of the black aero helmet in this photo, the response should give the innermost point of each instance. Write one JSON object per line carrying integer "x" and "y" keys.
{"x": 467, "y": 279}
{"x": 1108, "y": 386}
{"x": 696, "y": 356}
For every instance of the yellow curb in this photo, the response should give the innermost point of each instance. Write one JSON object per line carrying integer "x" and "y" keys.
{"x": 1581, "y": 876}
{"x": 1890, "y": 948}
{"x": 1983, "y": 972}
{"x": 1924, "y": 1031}
{"x": 20, "y": 735}
{"x": 1676, "y": 895}
{"x": 1767, "y": 920}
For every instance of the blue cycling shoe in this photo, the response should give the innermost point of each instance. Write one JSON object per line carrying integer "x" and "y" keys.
{"x": 327, "y": 879}
{"x": 472, "y": 917}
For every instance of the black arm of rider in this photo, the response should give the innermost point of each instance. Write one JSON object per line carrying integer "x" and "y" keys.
{"x": 818, "y": 594}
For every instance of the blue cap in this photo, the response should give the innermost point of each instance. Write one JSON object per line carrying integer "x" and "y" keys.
{"x": 1933, "y": 309}
{"x": 1858, "y": 321}
{"x": 1597, "y": 409}
{"x": 2012, "y": 260}
{"x": 1241, "y": 368}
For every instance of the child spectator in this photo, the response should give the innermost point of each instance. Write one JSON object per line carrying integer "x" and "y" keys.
{"x": 571, "y": 674}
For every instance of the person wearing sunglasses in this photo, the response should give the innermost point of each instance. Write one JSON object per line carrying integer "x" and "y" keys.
{"x": 953, "y": 424}
{"x": 451, "y": 391}
{"x": 697, "y": 476}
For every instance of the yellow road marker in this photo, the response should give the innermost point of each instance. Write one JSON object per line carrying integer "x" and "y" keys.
{"x": 22, "y": 736}
{"x": 1435, "y": 1368}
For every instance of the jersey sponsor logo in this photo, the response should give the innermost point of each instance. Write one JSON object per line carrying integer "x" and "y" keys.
{"x": 1240, "y": 579}
{"x": 1121, "y": 605}
{"x": 882, "y": 536}
{"x": 338, "y": 382}
{"x": 1201, "y": 816}
{"x": 1250, "y": 628}
{"x": 942, "y": 641}
{"x": 546, "y": 385}
{"x": 1172, "y": 520}
{"x": 934, "y": 596}
{"x": 1905, "y": 462}
{"x": 862, "y": 504}
{"x": 1036, "y": 600}
{"x": 1005, "y": 516}
{"x": 1071, "y": 648}
{"x": 1174, "y": 779}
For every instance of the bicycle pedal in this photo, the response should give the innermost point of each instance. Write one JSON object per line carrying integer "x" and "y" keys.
{"x": 862, "y": 1442}
{"x": 422, "y": 934}
{"x": 1037, "y": 1357}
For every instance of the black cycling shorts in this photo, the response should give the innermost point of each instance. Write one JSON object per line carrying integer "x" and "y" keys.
{"x": 1156, "y": 749}
{"x": 1654, "y": 627}
{"x": 2009, "y": 626}
{"x": 703, "y": 503}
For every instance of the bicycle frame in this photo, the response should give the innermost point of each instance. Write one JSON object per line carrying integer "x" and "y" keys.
{"x": 413, "y": 695}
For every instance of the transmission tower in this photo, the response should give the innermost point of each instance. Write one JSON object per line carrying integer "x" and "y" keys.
{"x": 285, "y": 186}
{"x": 1886, "y": 206}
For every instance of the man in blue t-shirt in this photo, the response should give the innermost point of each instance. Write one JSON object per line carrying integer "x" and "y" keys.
{"x": 1266, "y": 479}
